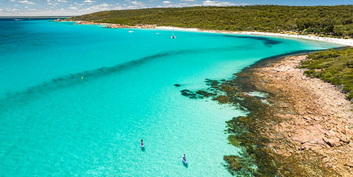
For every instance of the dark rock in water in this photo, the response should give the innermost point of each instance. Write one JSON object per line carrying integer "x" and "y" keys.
{"x": 195, "y": 95}
{"x": 212, "y": 83}
{"x": 188, "y": 93}
{"x": 177, "y": 85}
{"x": 204, "y": 93}
{"x": 235, "y": 162}
{"x": 200, "y": 94}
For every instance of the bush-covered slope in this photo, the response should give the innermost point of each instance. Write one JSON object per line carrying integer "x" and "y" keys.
{"x": 334, "y": 66}
{"x": 325, "y": 20}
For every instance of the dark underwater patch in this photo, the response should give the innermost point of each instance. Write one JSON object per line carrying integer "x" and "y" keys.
{"x": 265, "y": 40}
{"x": 70, "y": 80}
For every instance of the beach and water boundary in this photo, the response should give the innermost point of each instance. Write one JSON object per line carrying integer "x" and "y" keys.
{"x": 347, "y": 42}
{"x": 311, "y": 120}
{"x": 88, "y": 79}
{"x": 295, "y": 167}
{"x": 300, "y": 140}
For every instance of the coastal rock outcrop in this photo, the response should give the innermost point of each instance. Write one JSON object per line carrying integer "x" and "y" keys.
{"x": 318, "y": 118}
{"x": 296, "y": 126}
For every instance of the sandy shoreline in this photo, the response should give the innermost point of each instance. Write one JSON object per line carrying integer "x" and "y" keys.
{"x": 346, "y": 42}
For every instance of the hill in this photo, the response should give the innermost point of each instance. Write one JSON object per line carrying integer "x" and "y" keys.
{"x": 319, "y": 20}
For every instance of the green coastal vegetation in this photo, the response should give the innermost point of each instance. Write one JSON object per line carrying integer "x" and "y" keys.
{"x": 333, "y": 66}
{"x": 334, "y": 21}
{"x": 248, "y": 133}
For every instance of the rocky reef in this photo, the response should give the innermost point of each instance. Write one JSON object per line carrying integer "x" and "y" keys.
{"x": 296, "y": 125}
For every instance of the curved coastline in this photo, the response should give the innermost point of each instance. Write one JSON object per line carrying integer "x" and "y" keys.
{"x": 303, "y": 127}
{"x": 346, "y": 42}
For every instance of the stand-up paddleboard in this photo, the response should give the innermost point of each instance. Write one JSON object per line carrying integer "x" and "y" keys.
{"x": 185, "y": 161}
{"x": 141, "y": 144}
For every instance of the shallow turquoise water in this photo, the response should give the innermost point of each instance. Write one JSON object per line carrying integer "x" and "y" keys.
{"x": 77, "y": 99}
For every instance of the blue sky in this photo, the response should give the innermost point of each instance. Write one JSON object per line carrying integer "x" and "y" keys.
{"x": 79, "y": 7}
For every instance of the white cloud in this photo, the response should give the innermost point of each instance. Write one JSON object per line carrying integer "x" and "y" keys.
{"x": 16, "y": 5}
{"x": 136, "y": 2}
{"x": 0, "y": 10}
{"x": 68, "y": 11}
{"x": 104, "y": 5}
{"x": 12, "y": 0}
{"x": 135, "y": 5}
{"x": 53, "y": 3}
{"x": 220, "y": 3}
{"x": 26, "y": 2}
{"x": 84, "y": 8}
{"x": 100, "y": 7}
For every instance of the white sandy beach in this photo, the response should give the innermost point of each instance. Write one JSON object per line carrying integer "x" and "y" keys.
{"x": 348, "y": 42}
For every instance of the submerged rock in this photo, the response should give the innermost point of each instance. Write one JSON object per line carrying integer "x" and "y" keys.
{"x": 188, "y": 93}
{"x": 235, "y": 162}
{"x": 212, "y": 83}
{"x": 200, "y": 94}
{"x": 205, "y": 94}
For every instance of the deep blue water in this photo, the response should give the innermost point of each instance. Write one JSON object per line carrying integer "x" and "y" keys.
{"x": 77, "y": 99}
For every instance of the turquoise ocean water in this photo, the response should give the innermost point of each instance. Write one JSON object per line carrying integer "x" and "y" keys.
{"x": 75, "y": 100}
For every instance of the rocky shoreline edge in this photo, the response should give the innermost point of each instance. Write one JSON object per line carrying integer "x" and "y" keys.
{"x": 303, "y": 124}
{"x": 296, "y": 125}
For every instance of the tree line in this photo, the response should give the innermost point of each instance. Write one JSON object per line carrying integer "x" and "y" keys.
{"x": 320, "y": 20}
